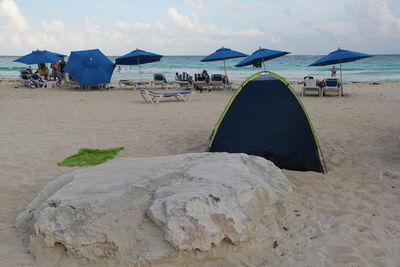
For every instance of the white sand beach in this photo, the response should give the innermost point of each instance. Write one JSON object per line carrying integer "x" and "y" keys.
{"x": 347, "y": 217}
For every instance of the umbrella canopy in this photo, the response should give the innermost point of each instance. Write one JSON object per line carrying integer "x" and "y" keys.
{"x": 89, "y": 67}
{"x": 39, "y": 56}
{"x": 223, "y": 54}
{"x": 259, "y": 56}
{"x": 338, "y": 57}
{"x": 137, "y": 57}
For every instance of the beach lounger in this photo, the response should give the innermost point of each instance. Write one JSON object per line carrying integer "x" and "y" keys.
{"x": 310, "y": 84}
{"x": 38, "y": 81}
{"x": 332, "y": 85}
{"x": 217, "y": 81}
{"x": 160, "y": 80}
{"x": 154, "y": 97}
{"x": 131, "y": 84}
{"x": 184, "y": 81}
{"x": 200, "y": 83}
{"x": 24, "y": 77}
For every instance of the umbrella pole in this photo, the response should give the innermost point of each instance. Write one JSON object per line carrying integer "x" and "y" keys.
{"x": 224, "y": 67}
{"x": 225, "y": 74}
{"x": 265, "y": 69}
{"x": 140, "y": 74}
{"x": 341, "y": 79}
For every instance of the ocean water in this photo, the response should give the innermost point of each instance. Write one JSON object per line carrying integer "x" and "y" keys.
{"x": 291, "y": 67}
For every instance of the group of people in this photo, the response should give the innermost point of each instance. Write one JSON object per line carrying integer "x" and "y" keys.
{"x": 42, "y": 74}
{"x": 57, "y": 70}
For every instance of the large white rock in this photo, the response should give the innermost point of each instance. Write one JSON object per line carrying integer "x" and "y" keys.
{"x": 133, "y": 210}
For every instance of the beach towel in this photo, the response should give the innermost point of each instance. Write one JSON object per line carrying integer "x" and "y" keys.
{"x": 90, "y": 157}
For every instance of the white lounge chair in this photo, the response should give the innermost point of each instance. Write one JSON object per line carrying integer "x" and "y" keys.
{"x": 154, "y": 97}
{"x": 38, "y": 81}
{"x": 131, "y": 84}
{"x": 332, "y": 85}
{"x": 310, "y": 84}
{"x": 217, "y": 81}
{"x": 160, "y": 80}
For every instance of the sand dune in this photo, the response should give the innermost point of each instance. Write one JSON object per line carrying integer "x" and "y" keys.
{"x": 349, "y": 216}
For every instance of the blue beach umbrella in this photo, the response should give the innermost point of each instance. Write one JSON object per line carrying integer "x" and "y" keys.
{"x": 89, "y": 67}
{"x": 223, "y": 54}
{"x": 138, "y": 57}
{"x": 338, "y": 57}
{"x": 39, "y": 56}
{"x": 259, "y": 56}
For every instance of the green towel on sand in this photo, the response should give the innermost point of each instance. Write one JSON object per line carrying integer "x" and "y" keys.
{"x": 90, "y": 157}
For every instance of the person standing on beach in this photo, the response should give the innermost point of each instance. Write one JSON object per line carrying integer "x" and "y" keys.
{"x": 55, "y": 70}
{"x": 333, "y": 72}
{"x": 61, "y": 66}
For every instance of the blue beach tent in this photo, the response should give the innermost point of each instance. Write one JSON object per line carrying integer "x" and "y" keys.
{"x": 266, "y": 118}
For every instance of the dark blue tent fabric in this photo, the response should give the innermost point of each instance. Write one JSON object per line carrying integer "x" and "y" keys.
{"x": 137, "y": 57}
{"x": 339, "y": 56}
{"x": 89, "y": 67}
{"x": 40, "y": 56}
{"x": 222, "y": 54}
{"x": 265, "y": 118}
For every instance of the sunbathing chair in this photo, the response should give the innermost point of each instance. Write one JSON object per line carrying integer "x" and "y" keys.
{"x": 160, "y": 80}
{"x": 132, "y": 84}
{"x": 200, "y": 82}
{"x": 310, "y": 84}
{"x": 154, "y": 97}
{"x": 332, "y": 85}
{"x": 24, "y": 77}
{"x": 38, "y": 81}
{"x": 184, "y": 81}
{"x": 217, "y": 81}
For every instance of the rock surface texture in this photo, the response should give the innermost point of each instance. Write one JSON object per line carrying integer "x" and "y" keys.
{"x": 183, "y": 209}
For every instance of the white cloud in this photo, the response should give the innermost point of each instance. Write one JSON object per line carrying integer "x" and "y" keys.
{"x": 195, "y": 28}
{"x": 181, "y": 20}
{"x": 345, "y": 29}
{"x": 194, "y": 4}
{"x": 375, "y": 19}
{"x": 208, "y": 30}
{"x": 55, "y": 26}
{"x": 9, "y": 9}
{"x": 235, "y": 5}
{"x": 132, "y": 26}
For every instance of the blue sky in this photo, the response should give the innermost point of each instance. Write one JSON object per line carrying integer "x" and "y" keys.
{"x": 199, "y": 27}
